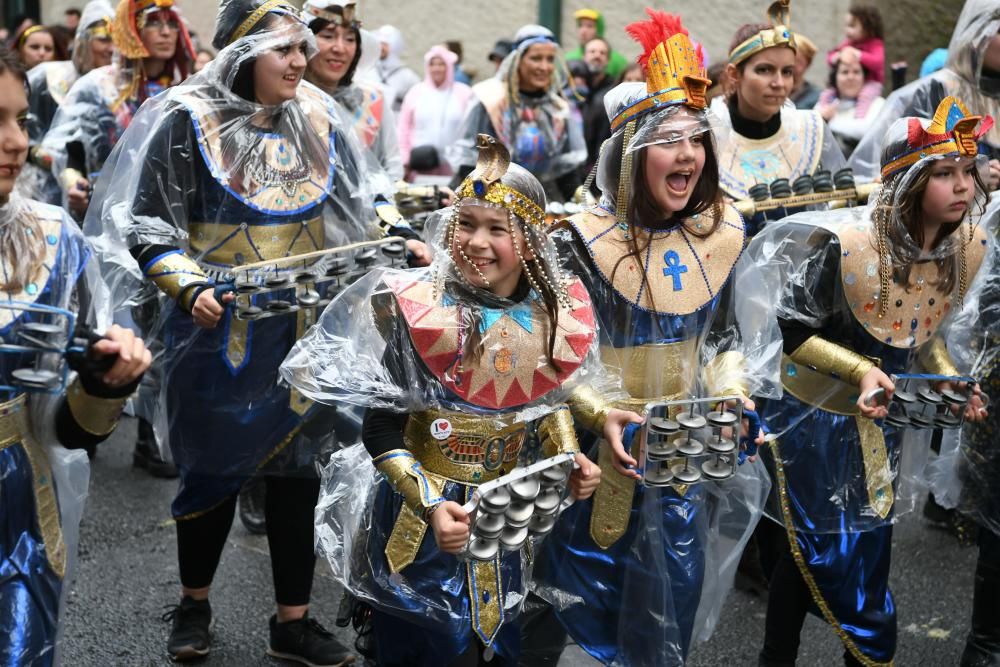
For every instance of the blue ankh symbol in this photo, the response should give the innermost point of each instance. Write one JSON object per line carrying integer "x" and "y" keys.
{"x": 674, "y": 268}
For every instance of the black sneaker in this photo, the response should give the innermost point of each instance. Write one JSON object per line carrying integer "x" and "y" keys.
{"x": 191, "y": 634}
{"x": 253, "y": 495}
{"x": 307, "y": 642}
{"x": 146, "y": 454}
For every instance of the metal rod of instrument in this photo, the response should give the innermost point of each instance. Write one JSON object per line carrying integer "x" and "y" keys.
{"x": 835, "y": 198}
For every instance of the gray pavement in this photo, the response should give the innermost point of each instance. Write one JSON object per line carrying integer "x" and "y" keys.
{"x": 127, "y": 573}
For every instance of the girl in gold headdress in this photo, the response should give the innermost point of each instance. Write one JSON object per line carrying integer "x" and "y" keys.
{"x": 453, "y": 363}
{"x": 862, "y": 294}
{"x": 634, "y": 574}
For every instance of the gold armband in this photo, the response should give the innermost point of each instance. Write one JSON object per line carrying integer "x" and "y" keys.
{"x": 97, "y": 416}
{"x": 726, "y": 375}
{"x": 934, "y": 358}
{"x": 408, "y": 479}
{"x": 69, "y": 178}
{"x": 833, "y": 359}
{"x": 174, "y": 272}
{"x": 589, "y": 408}
{"x": 556, "y": 433}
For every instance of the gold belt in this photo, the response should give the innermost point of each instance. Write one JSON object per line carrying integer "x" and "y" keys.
{"x": 244, "y": 243}
{"x": 471, "y": 450}
{"x": 663, "y": 369}
{"x": 13, "y": 421}
{"x": 818, "y": 389}
{"x": 13, "y": 430}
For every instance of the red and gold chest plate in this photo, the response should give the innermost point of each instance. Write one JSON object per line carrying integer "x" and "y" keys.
{"x": 513, "y": 368}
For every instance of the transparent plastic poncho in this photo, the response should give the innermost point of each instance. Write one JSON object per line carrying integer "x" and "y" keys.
{"x": 965, "y": 474}
{"x": 72, "y": 283}
{"x": 803, "y": 261}
{"x": 541, "y": 131}
{"x": 94, "y": 115}
{"x": 363, "y": 353}
{"x": 663, "y": 583}
{"x": 228, "y": 181}
{"x": 961, "y": 77}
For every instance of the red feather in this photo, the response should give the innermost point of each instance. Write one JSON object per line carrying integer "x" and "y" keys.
{"x": 660, "y": 27}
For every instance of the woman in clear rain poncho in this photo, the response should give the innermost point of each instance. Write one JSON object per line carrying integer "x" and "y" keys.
{"x": 524, "y": 107}
{"x": 453, "y": 363}
{"x": 50, "y": 287}
{"x": 967, "y": 474}
{"x": 343, "y": 67}
{"x": 242, "y": 163}
{"x": 154, "y": 52}
{"x": 861, "y": 294}
{"x": 50, "y": 82}
{"x": 971, "y": 73}
{"x": 640, "y": 573}
{"x": 769, "y": 138}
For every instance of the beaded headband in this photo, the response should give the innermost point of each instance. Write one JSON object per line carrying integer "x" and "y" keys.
{"x": 779, "y": 34}
{"x": 952, "y": 131}
{"x": 674, "y": 67}
{"x": 254, "y": 18}
{"x": 484, "y": 183}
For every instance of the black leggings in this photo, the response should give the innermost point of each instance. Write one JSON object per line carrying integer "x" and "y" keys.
{"x": 985, "y": 609}
{"x": 289, "y": 510}
{"x": 788, "y": 599}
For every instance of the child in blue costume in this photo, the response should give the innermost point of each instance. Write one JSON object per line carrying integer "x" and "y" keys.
{"x": 768, "y": 138}
{"x": 45, "y": 264}
{"x": 862, "y": 294}
{"x": 453, "y": 363}
{"x": 639, "y": 573}
{"x": 243, "y": 163}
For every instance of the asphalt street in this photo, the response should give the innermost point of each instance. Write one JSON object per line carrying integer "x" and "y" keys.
{"x": 127, "y": 574}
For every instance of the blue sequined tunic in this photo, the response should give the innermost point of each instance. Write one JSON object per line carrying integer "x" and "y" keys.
{"x": 32, "y": 553}
{"x": 635, "y": 597}
{"x": 227, "y": 414}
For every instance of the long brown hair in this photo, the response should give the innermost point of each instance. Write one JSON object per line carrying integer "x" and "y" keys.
{"x": 22, "y": 243}
{"x": 706, "y": 198}
{"x": 909, "y": 210}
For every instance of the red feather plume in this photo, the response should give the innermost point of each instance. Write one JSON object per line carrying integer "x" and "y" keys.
{"x": 660, "y": 27}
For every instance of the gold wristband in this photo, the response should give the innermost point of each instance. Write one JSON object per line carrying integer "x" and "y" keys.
{"x": 408, "y": 479}
{"x": 934, "y": 358}
{"x": 589, "y": 408}
{"x": 832, "y": 359}
{"x": 726, "y": 374}
{"x": 97, "y": 416}
{"x": 556, "y": 433}
{"x": 174, "y": 273}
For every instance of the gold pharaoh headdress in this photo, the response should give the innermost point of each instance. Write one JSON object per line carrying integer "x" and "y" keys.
{"x": 673, "y": 65}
